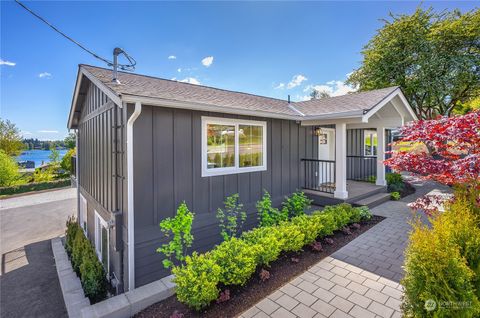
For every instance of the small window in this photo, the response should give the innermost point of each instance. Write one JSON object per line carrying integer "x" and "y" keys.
{"x": 102, "y": 240}
{"x": 233, "y": 146}
{"x": 370, "y": 143}
{"x": 83, "y": 213}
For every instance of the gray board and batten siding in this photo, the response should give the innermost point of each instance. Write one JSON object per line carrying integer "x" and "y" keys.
{"x": 167, "y": 171}
{"x": 102, "y": 168}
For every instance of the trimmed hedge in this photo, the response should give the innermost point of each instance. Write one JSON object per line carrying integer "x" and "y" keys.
{"x": 233, "y": 262}
{"x": 85, "y": 262}
{"x": 442, "y": 263}
{"x": 35, "y": 186}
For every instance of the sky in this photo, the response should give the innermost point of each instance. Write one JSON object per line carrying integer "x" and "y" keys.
{"x": 273, "y": 49}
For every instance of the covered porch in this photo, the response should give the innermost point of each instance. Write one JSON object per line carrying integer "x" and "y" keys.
{"x": 348, "y": 164}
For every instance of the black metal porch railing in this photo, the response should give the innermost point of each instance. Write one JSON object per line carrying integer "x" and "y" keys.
{"x": 319, "y": 175}
{"x": 362, "y": 168}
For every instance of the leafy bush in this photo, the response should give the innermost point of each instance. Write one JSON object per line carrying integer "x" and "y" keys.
{"x": 297, "y": 203}
{"x": 310, "y": 227}
{"x": 364, "y": 212}
{"x": 236, "y": 259}
{"x": 339, "y": 213}
{"x": 37, "y": 186}
{"x": 92, "y": 275}
{"x": 393, "y": 178}
{"x": 292, "y": 237}
{"x": 395, "y": 196}
{"x": 8, "y": 170}
{"x": 66, "y": 163}
{"x": 443, "y": 264}
{"x": 197, "y": 280}
{"x": 328, "y": 222}
{"x": 269, "y": 215}
{"x": 180, "y": 227}
{"x": 267, "y": 243}
{"x": 232, "y": 219}
{"x": 85, "y": 262}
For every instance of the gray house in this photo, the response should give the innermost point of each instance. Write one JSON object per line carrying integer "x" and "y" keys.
{"x": 146, "y": 144}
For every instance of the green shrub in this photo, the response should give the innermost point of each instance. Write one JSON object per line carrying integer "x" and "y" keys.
{"x": 297, "y": 203}
{"x": 269, "y": 215}
{"x": 339, "y": 213}
{"x": 364, "y": 212}
{"x": 395, "y": 196}
{"x": 35, "y": 186}
{"x": 442, "y": 264}
{"x": 8, "y": 170}
{"x": 232, "y": 219}
{"x": 197, "y": 280}
{"x": 70, "y": 233}
{"x": 92, "y": 275}
{"x": 310, "y": 227}
{"x": 66, "y": 163}
{"x": 393, "y": 178}
{"x": 266, "y": 242}
{"x": 236, "y": 259}
{"x": 292, "y": 236}
{"x": 80, "y": 243}
{"x": 372, "y": 179}
{"x": 180, "y": 228}
{"x": 328, "y": 222}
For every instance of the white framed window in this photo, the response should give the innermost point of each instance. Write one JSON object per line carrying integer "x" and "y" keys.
{"x": 232, "y": 146}
{"x": 370, "y": 143}
{"x": 102, "y": 240}
{"x": 83, "y": 213}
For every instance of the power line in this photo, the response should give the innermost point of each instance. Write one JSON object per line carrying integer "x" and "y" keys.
{"x": 127, "y": 67}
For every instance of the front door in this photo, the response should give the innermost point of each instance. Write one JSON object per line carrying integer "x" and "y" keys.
{"x": 326, "y": 153}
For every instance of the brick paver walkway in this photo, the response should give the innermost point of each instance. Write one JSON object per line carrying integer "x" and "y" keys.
{"x": 359, "y": 280}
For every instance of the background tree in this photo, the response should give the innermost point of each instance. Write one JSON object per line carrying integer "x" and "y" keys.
{"x": 69, "y": 141}
{"x": 433, "y": 57}
{"x": 318, "y": 94}
{"x": 10, "y": 138}
{"x": 8, "y": 170}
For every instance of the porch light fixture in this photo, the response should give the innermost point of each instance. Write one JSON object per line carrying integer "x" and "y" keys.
{"x": 322, "y": 137}
{"x": 318, "y": 131}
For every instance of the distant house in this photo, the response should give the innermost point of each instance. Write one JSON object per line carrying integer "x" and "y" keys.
{"x": 146, "y": 144}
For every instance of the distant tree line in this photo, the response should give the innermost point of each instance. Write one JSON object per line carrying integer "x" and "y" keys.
{"x": 34, "y": 143}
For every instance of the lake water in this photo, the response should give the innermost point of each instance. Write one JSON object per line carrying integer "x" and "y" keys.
{"x": 39, "y": 156}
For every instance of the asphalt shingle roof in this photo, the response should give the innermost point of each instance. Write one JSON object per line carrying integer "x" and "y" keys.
{"x": 147, "y": 86}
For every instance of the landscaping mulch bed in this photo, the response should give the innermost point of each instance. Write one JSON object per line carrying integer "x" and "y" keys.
{"x": 281, "y": 271}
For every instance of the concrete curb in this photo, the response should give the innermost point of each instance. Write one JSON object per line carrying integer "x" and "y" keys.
{"x": 120, "y": 306}
{"x": 128, "y": 304}
{"x": 70, "y": 284}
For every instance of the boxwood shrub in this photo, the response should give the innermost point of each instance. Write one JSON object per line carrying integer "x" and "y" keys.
{"x": 85, "y": 262}
{"x": 234, "y": 261}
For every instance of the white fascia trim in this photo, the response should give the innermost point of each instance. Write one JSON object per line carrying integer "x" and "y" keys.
{"x": 339, "y": 115}
{"x": 130, "y": 196}
{"x": 398, "y": 92}
{"x": 407, "y": 105}
{"x": 204, "y": 107}
{"x": 81, "y": 73}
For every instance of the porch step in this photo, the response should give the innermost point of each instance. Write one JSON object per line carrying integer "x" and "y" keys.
{"x": 374, "y": 200}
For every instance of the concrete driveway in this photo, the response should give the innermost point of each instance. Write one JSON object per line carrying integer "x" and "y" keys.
{"x": 29, "y": 284}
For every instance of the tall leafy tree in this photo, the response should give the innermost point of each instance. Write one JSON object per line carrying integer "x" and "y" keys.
{"x": 433, "y": 57}
{"x": 10, "y": 139}
{"x": 70, "y": 141}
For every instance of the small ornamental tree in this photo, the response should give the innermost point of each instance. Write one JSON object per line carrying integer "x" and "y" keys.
{"x": 179, "y": 229}
{"x": 231, "y": 219}
{"x": 453, "y": 149}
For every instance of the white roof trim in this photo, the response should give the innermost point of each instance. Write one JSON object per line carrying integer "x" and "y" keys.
{"x": 81, "y": 73}
{"x": 388, "y": 98}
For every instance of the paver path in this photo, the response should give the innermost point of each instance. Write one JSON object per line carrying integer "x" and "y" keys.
{"x": 359, "y": 280}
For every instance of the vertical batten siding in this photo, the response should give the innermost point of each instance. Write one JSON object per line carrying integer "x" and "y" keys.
{"x": 167, "y": 170}
{"x": 98, "y": 131}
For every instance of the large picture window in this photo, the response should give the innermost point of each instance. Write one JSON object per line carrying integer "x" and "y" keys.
{"x": 370, "y": 143}
{"x": 233, "y": 146}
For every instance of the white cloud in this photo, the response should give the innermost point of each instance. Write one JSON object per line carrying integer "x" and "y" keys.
{"x": 280, "y": 86}
{"x": 25, "y": 133}
{"x": 207, "y": 61}
{"x": 48, "y": 131}
{"x": 172, "y": 57}
{"x": 191, "y": 80}
{"x": 7, "y": 63}
{"x": 179, "y": 70}
{"x": 296, "y": 81}
{"x": 332, "y": 88}
{"x": 45, "y": 75}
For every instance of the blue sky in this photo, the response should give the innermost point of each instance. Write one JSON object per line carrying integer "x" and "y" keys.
{"x": 266, "y": 48}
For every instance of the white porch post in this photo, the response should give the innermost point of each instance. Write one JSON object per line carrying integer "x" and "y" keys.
{"x": 381, "y": 156}
{"x": 340, "y": 161}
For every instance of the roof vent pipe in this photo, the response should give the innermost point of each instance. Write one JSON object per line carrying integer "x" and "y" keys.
{"x": 116, "y": 52}
{"x": 289, "y": 99}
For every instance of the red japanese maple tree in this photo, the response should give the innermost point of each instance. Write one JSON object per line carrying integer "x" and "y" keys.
{"x": 452, "y": 149}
